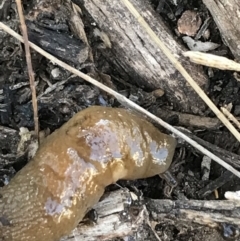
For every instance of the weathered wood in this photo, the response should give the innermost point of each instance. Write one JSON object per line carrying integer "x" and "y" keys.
{"x": 226, "y": 15}
{"x": 187, "y": 120}
{"x": 114, "y": 219}
{"x": 211, "y": 213}
{"x": 117, "y": 220}
{"x": 227, "y": 176}
{"x": 137, "y": 58}
{"x": 59, "y": 44}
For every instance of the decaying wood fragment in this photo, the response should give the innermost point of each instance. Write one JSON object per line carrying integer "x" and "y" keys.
{"x": 214, "y": 185}
{"x": 137, "y": 58}
{"x": 187, "y": 120}
{"x": 226, "y": 15}
{"x": 210, "y": 213}
{"x": 117, "y": 220}
{"x": 60, "y": 44}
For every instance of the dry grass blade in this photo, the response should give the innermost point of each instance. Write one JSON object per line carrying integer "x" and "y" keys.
{"x": 29, "y": 66}
{"x": 122, "y": 99}
{"x": 211, "y": 60}
{"x": 180, "y": 68}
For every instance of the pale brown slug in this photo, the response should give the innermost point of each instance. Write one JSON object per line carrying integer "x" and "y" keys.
{"x": 96, "y": 147}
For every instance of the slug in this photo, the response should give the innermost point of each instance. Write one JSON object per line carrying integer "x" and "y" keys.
{"x": 98, "y": 146}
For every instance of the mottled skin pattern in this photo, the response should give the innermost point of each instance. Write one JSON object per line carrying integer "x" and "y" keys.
{"x": 98, "y": 146}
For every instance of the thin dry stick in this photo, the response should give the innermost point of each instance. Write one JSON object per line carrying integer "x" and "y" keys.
{"x": 122, "y": 99}
{"x": 29, "y": 66}
{"x": 230, "y": 117}
{"x": 211, "y": 60}
{"x": 180, "y": 68}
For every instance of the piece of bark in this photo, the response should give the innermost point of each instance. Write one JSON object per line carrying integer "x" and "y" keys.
{"x": 137, "y": 58}
{"x": 226, "y": 15}
{"x": 59, "y": 44}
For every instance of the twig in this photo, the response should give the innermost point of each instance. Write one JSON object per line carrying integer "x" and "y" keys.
{"x": 29, "y": 66}
{"x": 181, "y": 69}
{"x": 214, "y": 185}
{"x": 213, "y": 61}
{"x": 123, "y": 100}
{"x": 187, "y": 120}
{"x": 52, "y": 87}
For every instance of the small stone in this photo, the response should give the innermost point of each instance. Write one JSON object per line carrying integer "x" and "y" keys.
{"x": 189, "y": 23}
{"x": 158, "y": 93}
{"x": 55, "y": 73}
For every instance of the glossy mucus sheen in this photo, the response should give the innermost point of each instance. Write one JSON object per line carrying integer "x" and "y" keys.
{"x": 98, "y": 146}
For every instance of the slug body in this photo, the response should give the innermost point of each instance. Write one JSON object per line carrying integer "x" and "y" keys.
{"x": 96, "y": 147}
